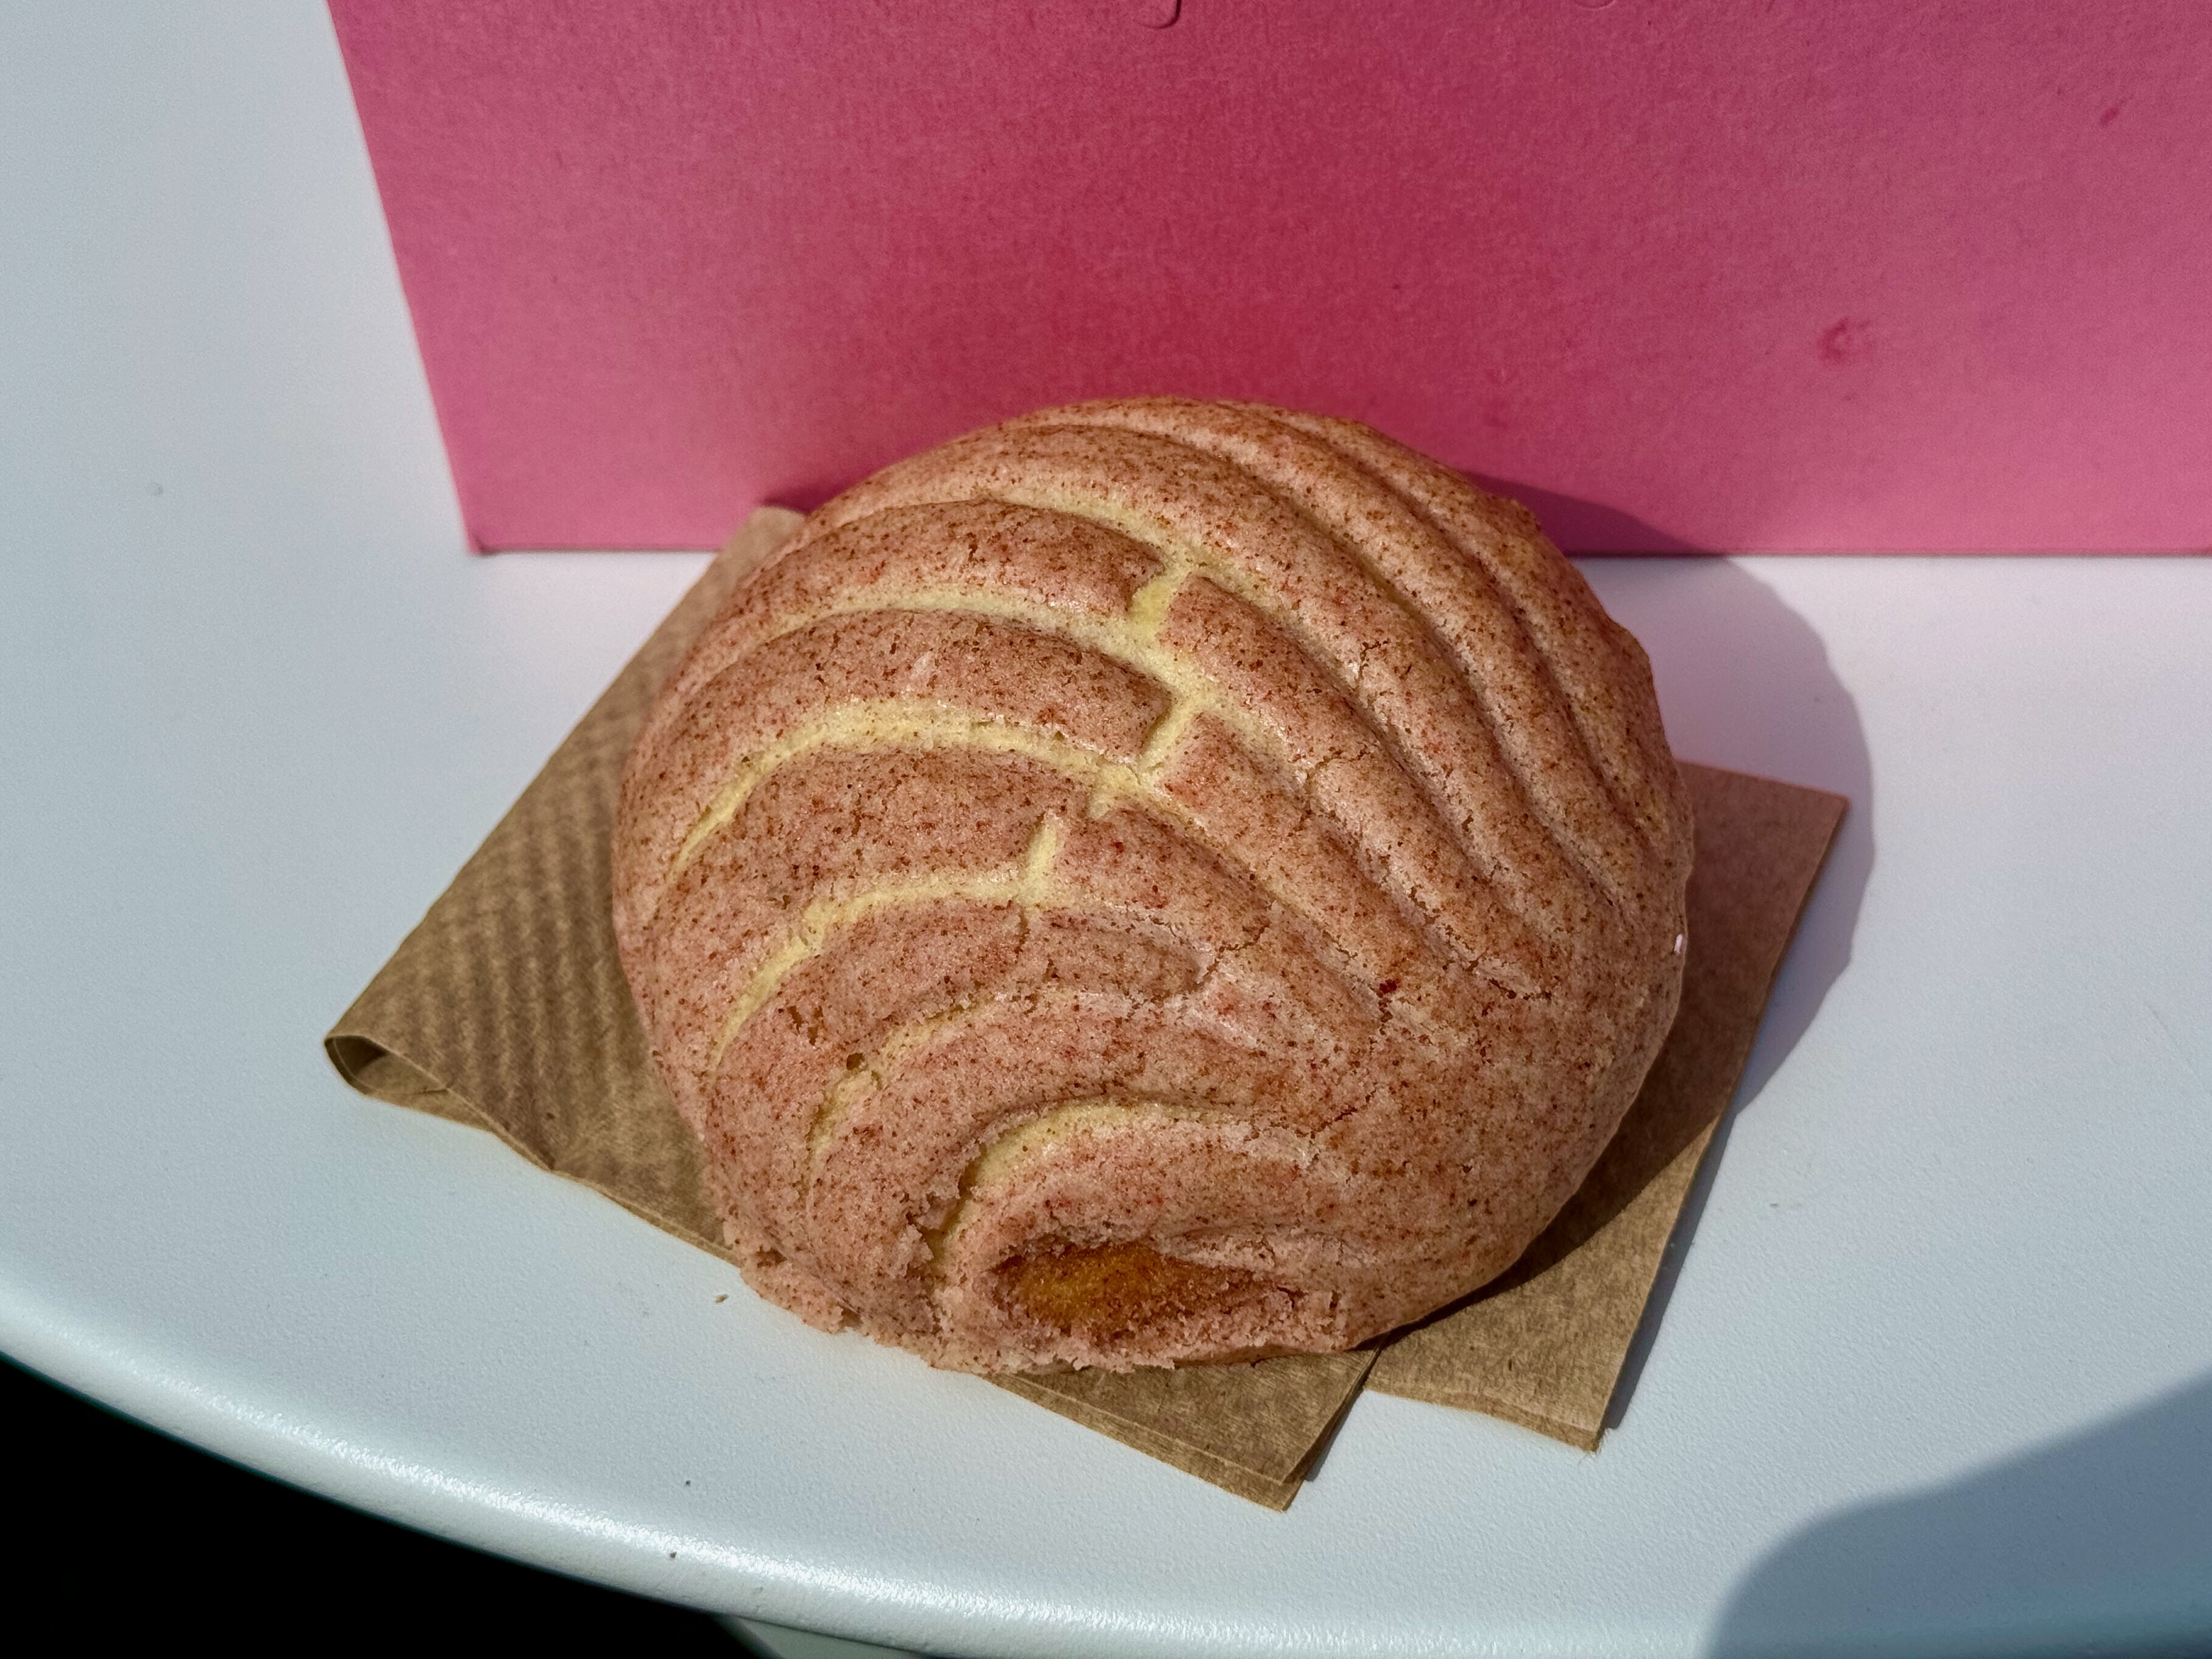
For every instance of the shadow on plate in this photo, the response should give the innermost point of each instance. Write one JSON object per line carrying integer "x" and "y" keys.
{"x": 2100, "y": 1542}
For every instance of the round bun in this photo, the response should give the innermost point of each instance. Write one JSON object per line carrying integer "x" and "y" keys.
{"x": 1152, "y": 882}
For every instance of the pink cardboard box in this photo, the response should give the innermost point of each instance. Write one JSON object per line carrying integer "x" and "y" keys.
{"x": 1722, "y": 274}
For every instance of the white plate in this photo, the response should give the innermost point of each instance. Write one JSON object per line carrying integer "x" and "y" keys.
{"x": 1938, "y": 1359}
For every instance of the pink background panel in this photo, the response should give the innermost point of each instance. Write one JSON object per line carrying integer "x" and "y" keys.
{"x": 1726, "y": 274}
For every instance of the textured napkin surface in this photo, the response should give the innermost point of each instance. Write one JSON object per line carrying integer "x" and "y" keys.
{"x": 505, "y": 1008}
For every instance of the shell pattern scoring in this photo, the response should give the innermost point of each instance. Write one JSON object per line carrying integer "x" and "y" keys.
{"x": 1152, "y": 881}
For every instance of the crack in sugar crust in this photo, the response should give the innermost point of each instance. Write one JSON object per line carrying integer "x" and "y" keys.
{"x": 895, "y": 725}
{"x": 1293, "y": 715}
{"x": 1592, "y": 658}
{"x": 1067, "y": 566}
{"x": 1477, "y": 627}
{"x": 828, "y": 826}
{"x": 1244, "y": 536}
{"x": 1136, "y": 871}
{"x": 1327, "y": 880}
{"x": 961, "y": 657}
{"x": 887, "y": 973}
{"x": 1269, "y": 993}
{"x": 1432, "y": 862}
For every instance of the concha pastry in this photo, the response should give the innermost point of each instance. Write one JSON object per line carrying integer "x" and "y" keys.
{"x": 1152, "y": 882}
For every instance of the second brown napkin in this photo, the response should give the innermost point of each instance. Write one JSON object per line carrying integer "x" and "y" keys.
{"x": 505, "y": 1008}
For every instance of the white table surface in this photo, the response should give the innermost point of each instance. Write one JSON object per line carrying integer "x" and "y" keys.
{"x": 1937, "y": 1368}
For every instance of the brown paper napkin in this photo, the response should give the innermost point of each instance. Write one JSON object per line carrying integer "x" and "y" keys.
{"x": 505, "y": 1008}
